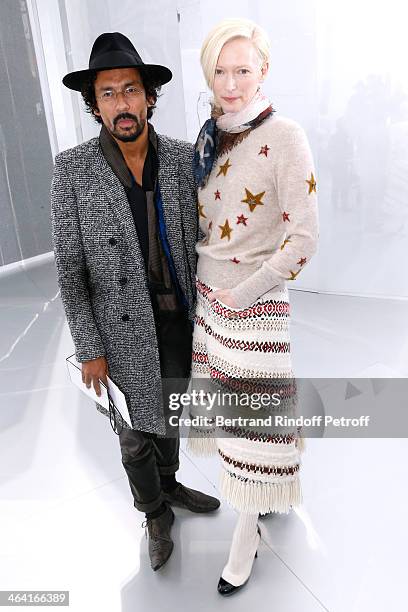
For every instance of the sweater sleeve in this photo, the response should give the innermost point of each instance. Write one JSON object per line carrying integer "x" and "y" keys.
{"x": 294, "y": 179}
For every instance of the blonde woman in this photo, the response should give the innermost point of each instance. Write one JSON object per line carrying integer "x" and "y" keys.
{"x": 258, "y": 217}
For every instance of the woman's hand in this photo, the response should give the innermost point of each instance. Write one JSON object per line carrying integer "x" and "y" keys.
{"x": 224, "y": 296}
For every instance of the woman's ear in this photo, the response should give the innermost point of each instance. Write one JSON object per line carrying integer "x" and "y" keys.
{"x": 264, "y": 70}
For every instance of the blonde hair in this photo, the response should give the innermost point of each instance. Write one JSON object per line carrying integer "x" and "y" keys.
{"x": 225, "y": 31}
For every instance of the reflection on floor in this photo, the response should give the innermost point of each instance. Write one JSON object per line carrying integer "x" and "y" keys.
{"x": 67, "y": 520}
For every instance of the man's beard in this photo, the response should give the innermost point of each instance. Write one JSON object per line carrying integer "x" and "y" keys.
{"x": 128, "y": 134}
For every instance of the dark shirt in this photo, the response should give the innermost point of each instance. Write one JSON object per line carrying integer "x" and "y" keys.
{"x": 138, "y": 202}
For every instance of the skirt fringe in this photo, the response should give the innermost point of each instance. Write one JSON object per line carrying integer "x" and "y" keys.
{"x": 301, "y": 444}
{"x": 201, "y": 445}
{"x": 252, "y": 497}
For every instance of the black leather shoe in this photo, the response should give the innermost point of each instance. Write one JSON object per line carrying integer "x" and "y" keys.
{"x": 192, "y": 500}
{"x": 226, "y": 588}
{"x": 160, "y": 542}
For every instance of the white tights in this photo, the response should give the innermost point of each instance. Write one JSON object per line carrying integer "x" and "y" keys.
{"x": 245, "y": 541}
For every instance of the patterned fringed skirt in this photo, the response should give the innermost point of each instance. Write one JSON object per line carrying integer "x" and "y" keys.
{"x": 246, "y": 349}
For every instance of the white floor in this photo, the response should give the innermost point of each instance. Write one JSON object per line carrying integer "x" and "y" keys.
{"x": 66, "y": 516}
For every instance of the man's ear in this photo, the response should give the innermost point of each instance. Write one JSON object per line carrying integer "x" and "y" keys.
{"x": 96, "y": 111}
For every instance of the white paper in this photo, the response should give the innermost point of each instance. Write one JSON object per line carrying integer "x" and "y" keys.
{"x": 118, "y": 398}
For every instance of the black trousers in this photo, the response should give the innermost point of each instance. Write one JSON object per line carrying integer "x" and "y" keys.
{"x": 147, "y": 457}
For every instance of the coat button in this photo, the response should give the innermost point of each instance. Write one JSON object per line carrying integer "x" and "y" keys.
{"x": 125, "y": 317}
{"x": 123, "y": 281}
{"x": 112, "y": 241}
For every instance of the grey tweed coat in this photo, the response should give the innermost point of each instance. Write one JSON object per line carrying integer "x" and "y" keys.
{"x": 96, "y": 245}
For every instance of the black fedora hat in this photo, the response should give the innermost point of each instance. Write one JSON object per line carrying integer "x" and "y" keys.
{"x": 113, "y": 50}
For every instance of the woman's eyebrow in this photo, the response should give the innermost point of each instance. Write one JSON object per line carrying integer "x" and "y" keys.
{"x": 237, "y": 66}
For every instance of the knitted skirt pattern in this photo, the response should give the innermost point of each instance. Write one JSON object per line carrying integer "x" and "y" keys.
{"x": 233, "y": 346}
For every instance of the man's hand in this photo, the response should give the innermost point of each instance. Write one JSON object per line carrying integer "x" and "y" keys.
{"x": 224, "y": 296}
{"x": 93, "y": 371}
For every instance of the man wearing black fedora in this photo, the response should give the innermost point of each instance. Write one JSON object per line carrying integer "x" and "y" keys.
{"x": 124, "y": 221}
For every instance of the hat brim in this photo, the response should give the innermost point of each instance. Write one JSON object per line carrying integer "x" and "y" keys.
{"x": 160, "y": 75}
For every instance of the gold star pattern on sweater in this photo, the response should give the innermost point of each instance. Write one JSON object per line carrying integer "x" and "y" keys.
{"x": 223, "y": 169}
{"x": 284, "y": 243}
{"x": 312, "y": 183}
{"x": 225, "y": 230}
{"x": 253, "y": 200}
{"x": 293, "y": 275}
{"x": 201, "y": 211}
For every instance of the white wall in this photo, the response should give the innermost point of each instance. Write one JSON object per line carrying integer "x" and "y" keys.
{"x": 48, "y": 35}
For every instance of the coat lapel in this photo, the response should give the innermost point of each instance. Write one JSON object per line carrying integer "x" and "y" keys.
{"x": 112, "y": 190}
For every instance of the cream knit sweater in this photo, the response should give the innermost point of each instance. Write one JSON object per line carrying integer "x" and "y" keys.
{"x": 258, "y": 212}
